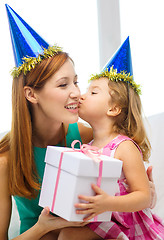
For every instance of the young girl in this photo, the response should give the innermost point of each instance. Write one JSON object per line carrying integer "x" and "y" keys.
{"x": 114, "y": 113}
{"x": 112, "y": 107}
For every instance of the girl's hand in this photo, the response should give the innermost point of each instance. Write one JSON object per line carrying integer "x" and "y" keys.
{"x": 49, "y": 222}
{"x": 94, "y": 205}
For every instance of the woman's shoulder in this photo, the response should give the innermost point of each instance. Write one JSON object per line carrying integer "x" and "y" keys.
{"x": 4, "y": 158}
{"x": 86, "y": 132}
{"x": 4, "y": 173}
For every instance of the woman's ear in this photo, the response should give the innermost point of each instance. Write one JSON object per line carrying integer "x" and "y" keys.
{"x": 30, "y": 94}
{"x": 114, "y": 111}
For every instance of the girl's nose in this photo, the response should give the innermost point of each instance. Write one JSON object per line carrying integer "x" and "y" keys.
{"x": 82, "y": 97}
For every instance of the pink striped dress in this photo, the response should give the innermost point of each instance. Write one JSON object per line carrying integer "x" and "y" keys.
{"x": 142, "y": 225}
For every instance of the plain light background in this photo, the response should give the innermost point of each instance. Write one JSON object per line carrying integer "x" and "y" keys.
{"x": 143, "y": 22}
{"x": 73, "y": 25}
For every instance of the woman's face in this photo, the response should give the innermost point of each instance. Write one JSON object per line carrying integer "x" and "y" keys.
{"x": 58, "y": 100}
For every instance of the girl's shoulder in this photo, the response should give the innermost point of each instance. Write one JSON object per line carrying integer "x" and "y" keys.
{"x": 121, "y": 146}
{"x": 117, "y": 141}
{"x": 127, "y": 147}
{"x": 123, "y": 141}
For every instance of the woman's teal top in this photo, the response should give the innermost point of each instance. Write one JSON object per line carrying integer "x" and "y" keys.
{"x": 29, "y": 210}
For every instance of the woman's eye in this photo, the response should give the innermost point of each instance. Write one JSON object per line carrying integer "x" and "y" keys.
{"x": 63, "y": 85}
{"x": 93, "y": 92}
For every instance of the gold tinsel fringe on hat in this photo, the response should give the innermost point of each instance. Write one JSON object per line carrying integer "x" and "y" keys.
{"x": 30, "y": 62}
{"x": 114, "y": 76}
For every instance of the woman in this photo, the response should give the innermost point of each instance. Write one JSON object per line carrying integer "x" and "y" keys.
{"x": 44, "y": 102}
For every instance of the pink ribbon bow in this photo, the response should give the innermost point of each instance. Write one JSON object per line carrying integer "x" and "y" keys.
{"x": 90, "y": 151}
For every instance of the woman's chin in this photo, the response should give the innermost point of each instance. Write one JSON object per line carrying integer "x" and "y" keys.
{"x": 71, "y": 120}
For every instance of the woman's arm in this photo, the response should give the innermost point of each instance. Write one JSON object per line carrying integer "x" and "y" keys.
{"x": 45, "y": 223}
{"x": 5, "y": 199}
{"x": 36, "y": 231}
{"x": 152, "y": 187}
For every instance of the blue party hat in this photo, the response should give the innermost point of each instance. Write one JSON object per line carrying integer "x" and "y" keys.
{"x": 121, "y": 59}
{"x": 119, "y": 68}
{"x": 25, "y": 41}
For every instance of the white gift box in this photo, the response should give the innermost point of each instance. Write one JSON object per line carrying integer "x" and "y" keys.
{"x": 78, "y": 172}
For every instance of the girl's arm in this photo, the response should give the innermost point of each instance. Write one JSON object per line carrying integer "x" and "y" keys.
{"x": 136, "y": 176}
{"x": 86, "y": 133}
{"x": 151, "y": 185}
{"x": 134, "y": 171}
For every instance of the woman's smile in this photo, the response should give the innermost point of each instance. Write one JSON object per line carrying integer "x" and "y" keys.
{"x": 72, "y": 107}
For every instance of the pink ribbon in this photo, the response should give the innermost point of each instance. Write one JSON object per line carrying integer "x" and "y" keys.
{"x": 90, "y": 151}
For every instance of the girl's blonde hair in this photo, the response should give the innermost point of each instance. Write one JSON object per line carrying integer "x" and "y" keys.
{"x": 130, "y": 121}
{"x": 23, "y": 178}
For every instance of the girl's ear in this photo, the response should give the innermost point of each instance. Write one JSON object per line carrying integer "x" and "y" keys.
{"x": 30, "y": 94}
{"x": 114, "y": 111}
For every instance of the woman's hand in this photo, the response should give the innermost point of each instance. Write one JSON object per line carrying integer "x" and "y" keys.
{"x": 49, "y": 222}
{"x": 45, "y": 225}
{"x": 152, "y": 187}
{"x": 94, "y": 204}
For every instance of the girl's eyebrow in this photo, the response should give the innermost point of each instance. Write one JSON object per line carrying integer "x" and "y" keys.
{"x": 93, "y": 87}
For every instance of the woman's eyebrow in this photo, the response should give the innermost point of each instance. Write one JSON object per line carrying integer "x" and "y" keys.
{"x": 65, "y": 78}
{"x": 62, "y": 78}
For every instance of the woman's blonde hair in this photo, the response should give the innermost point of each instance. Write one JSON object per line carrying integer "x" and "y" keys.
{"x": 23, "y": 178}
{"x": 130, "y": 121}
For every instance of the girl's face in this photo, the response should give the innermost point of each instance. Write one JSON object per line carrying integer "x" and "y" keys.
{"x": 95, "y": 103}
{"x": 58, "y": 100}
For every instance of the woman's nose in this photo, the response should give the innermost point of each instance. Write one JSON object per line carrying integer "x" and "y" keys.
{"x": 75, "y": 93}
